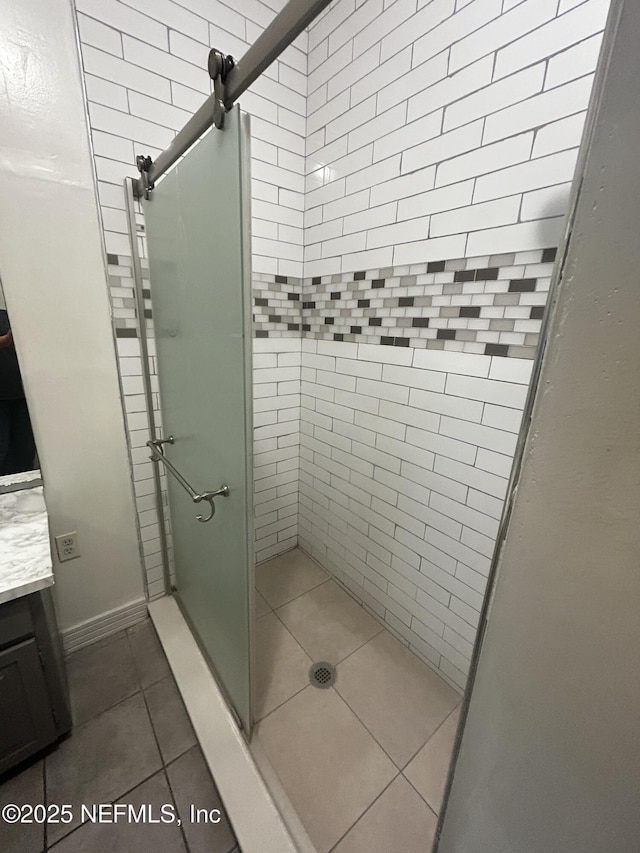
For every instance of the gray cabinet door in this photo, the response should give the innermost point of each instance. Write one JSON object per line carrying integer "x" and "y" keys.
{"x": 26, "y": 721}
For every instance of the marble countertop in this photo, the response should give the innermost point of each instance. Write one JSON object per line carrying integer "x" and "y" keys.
{"x": 21, "y": 480}
{"x": 25, "y": 554}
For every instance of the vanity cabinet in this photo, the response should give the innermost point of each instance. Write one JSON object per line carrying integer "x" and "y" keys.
{"x": 34, "y": 706}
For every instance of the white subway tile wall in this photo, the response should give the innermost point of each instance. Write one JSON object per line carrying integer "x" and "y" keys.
{"x": 407, "y": 141}
{"x": 443, "y": 129}
{"x": 137, "y": 421}
{"x": 144, "y": 65}
{"x": 276, "y": 402}
{"x": 402, "y": 482}
{"x": 442, "y": 140}
{"x": 276, "y": 415}
{"x": 491, "y": 305}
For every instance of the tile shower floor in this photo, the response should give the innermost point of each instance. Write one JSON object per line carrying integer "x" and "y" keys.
{"x": 132, "y": 743}
{"x": 363, "y": 762}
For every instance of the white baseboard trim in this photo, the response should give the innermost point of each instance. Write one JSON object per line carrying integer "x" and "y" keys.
{"x": 104, "y": 625}
{"x": 256, "y": 821}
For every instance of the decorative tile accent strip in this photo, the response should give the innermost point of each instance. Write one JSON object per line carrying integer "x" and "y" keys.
{"x": 122, "y": 292}
{"x": 277, "y": 306}
{"x": 490, "y": 305}
{"x": 277, "y": 301}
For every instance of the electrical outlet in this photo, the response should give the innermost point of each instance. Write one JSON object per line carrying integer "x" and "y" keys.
{"x": 67, "y": 546}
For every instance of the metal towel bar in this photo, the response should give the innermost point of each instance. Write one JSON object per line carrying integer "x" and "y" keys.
{"x": 158, "y": 456}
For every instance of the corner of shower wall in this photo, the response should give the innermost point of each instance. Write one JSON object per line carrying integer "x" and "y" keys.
{"x": 409, "y": 422}
{"x": 430, "y": 223}
{"x": 277, "y": 364}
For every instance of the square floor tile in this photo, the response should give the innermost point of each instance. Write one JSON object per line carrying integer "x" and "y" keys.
{"x": 192, "y": 785}
{"x": 127, "y": 835}
{"x": 329, "y": 765}
{"x": 99, "y": 676}
{"x": 102, "y": 760}
{"x": 398, "y": 822}
{"x": 328, "y": 623}
{"x": 282, "y": 667}
{"x": 427, "y": 772}
{"x": 22, "y": 788}
{"x": 398, "y": 698}
{"x": 262, "y": 608}
{"x": 169, "y": 719}
{"x": 288, "y": 576}
{"x": 150, "y": 660}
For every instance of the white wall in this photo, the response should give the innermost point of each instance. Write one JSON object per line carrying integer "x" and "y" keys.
{"x": 549, "y": 752}
{"x": 437, "y": 131}
{"x": 403, "y": 472}
{"x": 145, "y": 67}
{"x": 145, "y": 74}
{"x": 432, "y": 131}
{"x": 54, "y": 280}
{"x": 276, "y": 448}
{"x": 417, "y": 109}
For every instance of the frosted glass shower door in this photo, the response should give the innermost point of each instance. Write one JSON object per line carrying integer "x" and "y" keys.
{"x": 197, "y": 224}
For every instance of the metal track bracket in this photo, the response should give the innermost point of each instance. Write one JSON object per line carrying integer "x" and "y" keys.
{"x": 231, "y": 79}
{"x": 219, "y": 65}
{"x": 144, "y": 164}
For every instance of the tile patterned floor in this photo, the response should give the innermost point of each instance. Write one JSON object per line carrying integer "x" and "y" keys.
{"x": 131, "y": 743}
{"x": 364, "y": 763}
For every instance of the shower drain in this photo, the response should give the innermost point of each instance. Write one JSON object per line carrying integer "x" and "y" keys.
{"x": 322, "y": 675}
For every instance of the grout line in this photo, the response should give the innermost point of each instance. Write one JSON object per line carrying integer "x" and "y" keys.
{"x": 183, "y": 753}
{"x": 428, "y": 804}
{"x": 344, "y": 589}
{"x": 274, "y": 609}
{"x": 293, "y": 695}
{"x": 371, "y": 804}
{"x": 367, "y": 729}
{"x": 435, "y": 731}
{"x": 381, "y": 628}
{"x": 119, "y": 797}
{"x": 105, "y": 710}
{"x": 175, "y": 803}
{"x": 153, "y": 729}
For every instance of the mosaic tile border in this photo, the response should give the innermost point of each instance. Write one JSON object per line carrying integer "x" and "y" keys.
{"x": 277, "y": 306}
{"x": 122, "y": 293}
{"x": 277, "y": 301}
{"x": 490, "y": 305}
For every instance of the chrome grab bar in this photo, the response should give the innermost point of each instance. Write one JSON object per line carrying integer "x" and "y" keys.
{"x": 159, "y": 456}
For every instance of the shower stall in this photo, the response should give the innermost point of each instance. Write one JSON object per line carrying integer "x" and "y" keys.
{"x": 277, "y": 636}
{"x": 312, "y": 670}
{"x": 276, "y": 651}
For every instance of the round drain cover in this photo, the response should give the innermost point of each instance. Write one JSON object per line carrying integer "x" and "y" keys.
{"x": 322, "y": 674}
